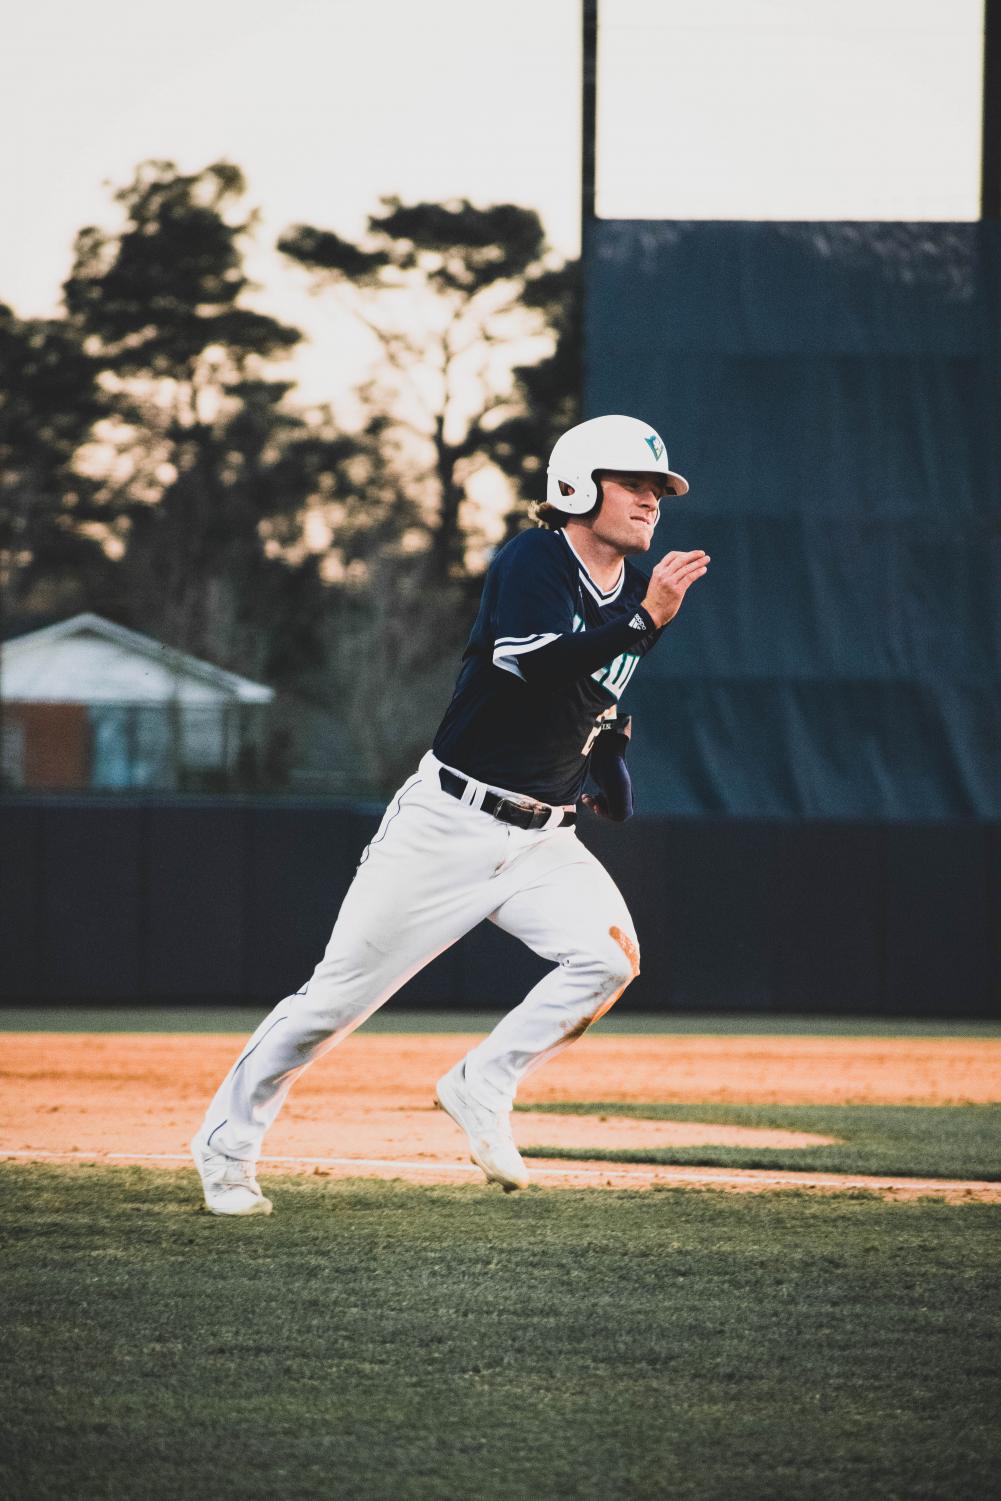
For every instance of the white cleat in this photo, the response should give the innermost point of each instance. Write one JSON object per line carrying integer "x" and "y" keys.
{"x": 491, "y": 1145}
{"x": 228, "y": 1183}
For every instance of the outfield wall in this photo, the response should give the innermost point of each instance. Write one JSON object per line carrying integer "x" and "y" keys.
{"x": 231, "y": 900}
{"x": 833, "y": 393}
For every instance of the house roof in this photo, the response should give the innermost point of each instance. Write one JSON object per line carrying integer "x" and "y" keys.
{"x": 88, "y": 658}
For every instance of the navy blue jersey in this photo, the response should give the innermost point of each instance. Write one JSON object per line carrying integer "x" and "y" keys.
{"x": 549, "y": 657}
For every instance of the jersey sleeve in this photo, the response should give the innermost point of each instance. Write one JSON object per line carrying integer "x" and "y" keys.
{"x": 533, "y": 619}
{"x": 534, "y": 605}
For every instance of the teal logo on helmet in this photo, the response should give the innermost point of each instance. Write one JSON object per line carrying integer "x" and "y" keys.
{"x": 655, "y": 446}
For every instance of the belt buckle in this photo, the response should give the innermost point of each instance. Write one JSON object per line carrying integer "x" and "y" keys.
{"x": 522, "y": 815}
{"x": 510, "y": 812}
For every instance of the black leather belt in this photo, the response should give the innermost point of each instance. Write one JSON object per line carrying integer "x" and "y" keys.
{"x": 502, "y": 807}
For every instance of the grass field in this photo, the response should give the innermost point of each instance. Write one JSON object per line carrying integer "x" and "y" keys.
{"x": 383, "y": 1340}
{"x": 415, "y": 1342}
{"x": 243, "y": 1019}
{"x": 896, "y": 1140}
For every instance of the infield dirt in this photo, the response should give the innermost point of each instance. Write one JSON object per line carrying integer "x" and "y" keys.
{"x": 366, "y": 1108}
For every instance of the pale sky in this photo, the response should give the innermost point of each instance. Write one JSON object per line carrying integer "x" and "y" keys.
{"x": 790, "y": 109}
{"x": 707, "y": 109}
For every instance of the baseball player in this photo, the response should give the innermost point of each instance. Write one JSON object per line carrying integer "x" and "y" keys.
{"x": 485, "y": 826}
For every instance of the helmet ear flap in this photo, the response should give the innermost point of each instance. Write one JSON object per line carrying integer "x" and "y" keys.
{"x": 571, "y": 493}
{"x": 566, "y": 489}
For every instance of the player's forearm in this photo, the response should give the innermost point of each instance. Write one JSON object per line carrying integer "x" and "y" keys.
{"x": 577, "y": 654}
{"x": 610, "y": 774}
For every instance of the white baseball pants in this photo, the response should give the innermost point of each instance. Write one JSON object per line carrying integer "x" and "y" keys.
{"x": 435, "y": 868}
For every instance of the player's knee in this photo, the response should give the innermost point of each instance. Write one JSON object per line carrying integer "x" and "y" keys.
{"x": 613, "y": 968}
{"x": 614, "y": 961}
{"x": 623, "y": 956}
{"x": 619, "y": 972}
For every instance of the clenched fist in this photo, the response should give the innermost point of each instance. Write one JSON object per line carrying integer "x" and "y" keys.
{"x": 670, "y": 582}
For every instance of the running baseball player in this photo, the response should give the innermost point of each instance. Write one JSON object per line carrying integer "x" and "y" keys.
{"x": 485, "y": 826}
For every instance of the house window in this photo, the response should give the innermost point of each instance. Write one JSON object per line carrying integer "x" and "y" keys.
{"x": 12, "y": 754}
{"x": 130, "y": 746}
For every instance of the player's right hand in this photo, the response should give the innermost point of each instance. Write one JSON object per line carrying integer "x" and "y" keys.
{"x": 670, "y": 582}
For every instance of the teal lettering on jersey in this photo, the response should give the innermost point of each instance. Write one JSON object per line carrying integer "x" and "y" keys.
{"x": 616, "y": 675}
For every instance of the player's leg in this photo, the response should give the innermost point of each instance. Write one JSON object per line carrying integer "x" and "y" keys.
{"x": 569, "y": 910}
{"x": 423, "y": 882}
{"x": 563, "y": 903}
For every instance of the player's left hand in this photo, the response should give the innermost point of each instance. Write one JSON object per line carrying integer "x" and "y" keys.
{"x": 601, "y": 807}
{"x": 596, "y": 805}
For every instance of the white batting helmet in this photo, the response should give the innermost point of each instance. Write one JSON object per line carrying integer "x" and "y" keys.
{"x": 622, "y": 443}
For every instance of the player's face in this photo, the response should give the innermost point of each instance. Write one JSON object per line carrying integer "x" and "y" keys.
{"x": 629, "y": 510}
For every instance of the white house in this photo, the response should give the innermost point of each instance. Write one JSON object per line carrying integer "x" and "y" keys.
{"x": 86, "y": 703}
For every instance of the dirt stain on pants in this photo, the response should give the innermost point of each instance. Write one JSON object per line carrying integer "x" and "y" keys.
{"x": 632, "y": 953}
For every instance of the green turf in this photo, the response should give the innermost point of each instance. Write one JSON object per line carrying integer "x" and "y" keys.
{"x": 376, "y": 1340}
{"x": 243, "y": 1019}
{"x": 962, "y": 1141}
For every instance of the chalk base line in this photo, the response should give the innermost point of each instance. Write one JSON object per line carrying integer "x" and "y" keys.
{"x": 570, "y": 1174}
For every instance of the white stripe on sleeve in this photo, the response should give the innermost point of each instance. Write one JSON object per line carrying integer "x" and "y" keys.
{"x": 508, "y": 648}
{"x": 522, "y": 640}
{"x": 511, "y": 646}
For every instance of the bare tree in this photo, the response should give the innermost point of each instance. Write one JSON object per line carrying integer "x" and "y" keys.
{"x": 449, "y": 293}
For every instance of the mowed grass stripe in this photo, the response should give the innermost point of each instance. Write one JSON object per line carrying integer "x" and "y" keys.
{"x": 377, "y": 1340}
{"x": 897, "y": 1141}
{"x": 242, "y": 1020}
